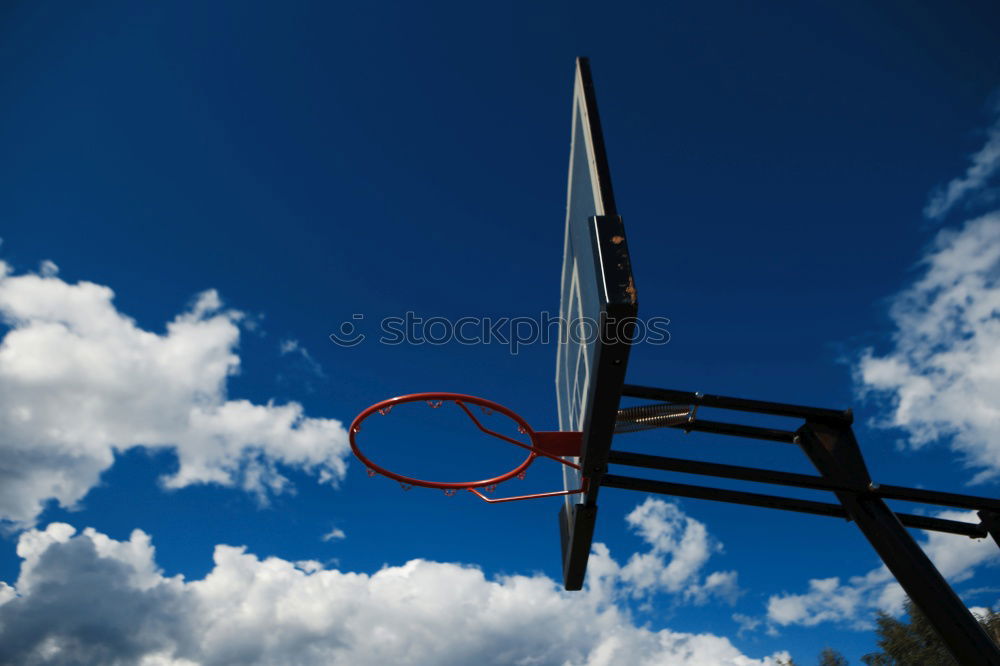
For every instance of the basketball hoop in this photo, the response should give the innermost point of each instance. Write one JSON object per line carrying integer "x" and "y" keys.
{"x": 555, "y": 445}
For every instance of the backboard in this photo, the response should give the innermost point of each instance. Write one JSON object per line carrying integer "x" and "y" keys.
{"x": 597, "y": 310}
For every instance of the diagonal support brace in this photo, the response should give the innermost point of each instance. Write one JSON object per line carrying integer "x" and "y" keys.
{"x": 835, "y": 453}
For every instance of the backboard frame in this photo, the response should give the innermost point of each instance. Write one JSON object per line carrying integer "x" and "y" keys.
{"x": 597, "y": 285}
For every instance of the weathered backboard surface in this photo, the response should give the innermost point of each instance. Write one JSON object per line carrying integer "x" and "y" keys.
{"x": 597, "y": 307}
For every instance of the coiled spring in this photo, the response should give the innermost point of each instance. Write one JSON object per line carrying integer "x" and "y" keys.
{"x": 647, "y": 417}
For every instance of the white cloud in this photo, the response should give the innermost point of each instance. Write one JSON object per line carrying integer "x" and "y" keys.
{"x": 336, "y": 534}
{"x": 48, "y": 269}
{"x": 80, "y": 380}
{"x": 85, "y": 598}
{"x": 982, "y": 612}
{"x": 718, "y": 584}
{"x": 290, "y": 346}
{"x": 680, "y": 546}
{"x": 855, "y": 601}
{"x": 942, "y": 381}
{"x": 942, "y": 375}
{"x": 746, "y": 623}
{"x": 985, "y": 163}
{"x": 827, "y": 600}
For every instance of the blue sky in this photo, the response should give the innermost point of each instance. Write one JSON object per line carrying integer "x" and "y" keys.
{"x": 193, "y": 198}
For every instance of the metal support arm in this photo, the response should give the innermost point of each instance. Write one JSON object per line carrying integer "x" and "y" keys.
{"x": 836, "y": 454}
{"x": 829, "y": 442}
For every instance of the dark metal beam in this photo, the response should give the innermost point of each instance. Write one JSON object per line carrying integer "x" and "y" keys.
{"x": 931, "y": 524}
{"x": 722, "y": 495}
{"x": 737, "y": 430}
{"x": 784, "y": 503}
{"x": 836, "y": 454}
{"x": 936, "y": 497}
{"x": 991, "y": 522}
{"x": 829, "y": 442}
{"x": 738, "y": 404}
{"x": 720, "y": 470}
{"x": 797, "y": 480}
{"x": 576, "y": 527}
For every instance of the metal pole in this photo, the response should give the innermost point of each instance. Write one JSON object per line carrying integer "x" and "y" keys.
{"x": 736, "y": 430}
{"x": 738, "y": 404}
{"x": 723, "y": 495}
{"x": 936, "y": 497}
{"x": 970, "y": 530}
{"x": 835, "y": 453}
{"x": 818, "y": 483}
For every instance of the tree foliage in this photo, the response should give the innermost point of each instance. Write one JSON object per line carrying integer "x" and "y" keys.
{"x": 830, "y": 657}
{"x": 915, "y": 643}
{"x": 908, "y": 643}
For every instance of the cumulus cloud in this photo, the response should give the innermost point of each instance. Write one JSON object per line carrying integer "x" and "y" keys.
{"x": 984, "y": 165}
{"x": 942, "y": 376}
{"x": 79, "y": 381}
{"x": 941, "y": 381}
{"x": 825, "y": 601}
{"x": 680, "y": 547}
{"x": 853, "y": 602}
{"x": 86, "y": 598}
